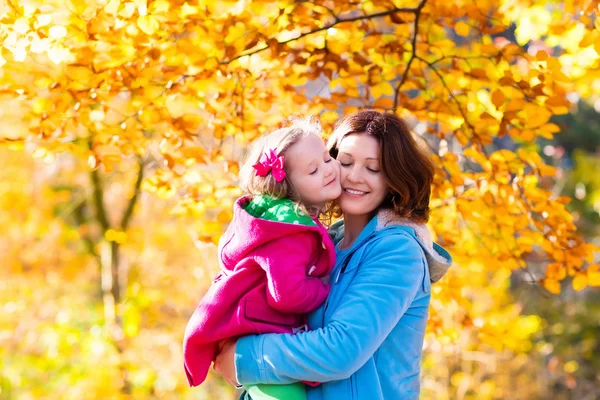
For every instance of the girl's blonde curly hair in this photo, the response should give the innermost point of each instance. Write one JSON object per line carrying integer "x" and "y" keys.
{"x": 280, "y": 139}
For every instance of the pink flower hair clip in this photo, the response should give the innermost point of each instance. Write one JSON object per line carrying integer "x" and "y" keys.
{"x": 270, "y": 162}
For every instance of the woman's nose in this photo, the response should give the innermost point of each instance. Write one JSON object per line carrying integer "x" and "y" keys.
{"x": 354, "y": 176}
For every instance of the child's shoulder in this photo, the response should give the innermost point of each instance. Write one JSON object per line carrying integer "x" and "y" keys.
{"x": 281, "y": 210}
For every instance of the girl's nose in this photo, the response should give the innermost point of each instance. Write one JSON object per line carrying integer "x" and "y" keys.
{"x": 328, "y": 169}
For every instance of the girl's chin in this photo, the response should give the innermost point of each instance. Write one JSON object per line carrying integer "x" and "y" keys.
{"x": 336, "y": 195}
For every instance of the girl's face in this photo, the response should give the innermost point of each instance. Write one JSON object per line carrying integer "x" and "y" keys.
{"x": 363, "y": 185}
{"x": 313, "y": 172}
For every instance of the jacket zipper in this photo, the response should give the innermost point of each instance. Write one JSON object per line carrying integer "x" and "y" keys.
{"x": 339, "y": 273}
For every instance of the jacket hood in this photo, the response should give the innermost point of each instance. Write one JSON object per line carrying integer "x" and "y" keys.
{"x": 245, "y": 233}
{"x": 438, "y": 259}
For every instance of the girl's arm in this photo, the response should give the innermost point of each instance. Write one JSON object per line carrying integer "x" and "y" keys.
{"x": 380, "y": 293}
{"x": 286, "y": 261}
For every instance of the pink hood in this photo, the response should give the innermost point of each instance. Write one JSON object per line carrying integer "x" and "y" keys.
{"x": 246, "y": 233}
{"x": 269, "y": 280}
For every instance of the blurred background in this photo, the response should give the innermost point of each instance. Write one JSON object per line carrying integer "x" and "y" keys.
{"x": 123, "y": 123}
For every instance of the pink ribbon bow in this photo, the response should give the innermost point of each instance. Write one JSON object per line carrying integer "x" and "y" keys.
{"x": 270, "y": 162}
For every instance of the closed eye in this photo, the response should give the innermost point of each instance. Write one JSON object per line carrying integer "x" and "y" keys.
{"x": 314, "y": 172}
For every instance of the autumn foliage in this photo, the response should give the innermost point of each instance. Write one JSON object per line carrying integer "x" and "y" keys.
{"x": 116, "y": 99}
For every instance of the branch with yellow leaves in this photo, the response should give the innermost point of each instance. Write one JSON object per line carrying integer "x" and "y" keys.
{"x": 452, "y": 97}
{"x": 414, "y": 51}
{"x": 337, "y": 21}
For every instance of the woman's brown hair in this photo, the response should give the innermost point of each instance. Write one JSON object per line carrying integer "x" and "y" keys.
{"x": 407, "y": 168}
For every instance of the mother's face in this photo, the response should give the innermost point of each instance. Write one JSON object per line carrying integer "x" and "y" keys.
{"x": 364, "y": 186}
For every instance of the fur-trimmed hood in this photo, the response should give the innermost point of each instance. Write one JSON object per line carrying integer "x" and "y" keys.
{"x": 438, "y": 259}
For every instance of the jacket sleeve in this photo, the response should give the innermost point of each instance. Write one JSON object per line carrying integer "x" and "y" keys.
{"x": 380, "y": 293}
{"x": 289, "y": 288}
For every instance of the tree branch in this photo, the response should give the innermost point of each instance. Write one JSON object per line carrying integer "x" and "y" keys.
{"x": 13, "y": 7}
{"x": 78, "y": 214}
{"x": 132, "y": 202}
{"x": 337, "y": 21}
{"x": 414, "y": 51}
{"x": 99, "y": 201}
{"x": 452, "y": 97}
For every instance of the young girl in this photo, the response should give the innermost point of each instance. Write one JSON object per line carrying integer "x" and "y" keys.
{"x": 275, "y": 255}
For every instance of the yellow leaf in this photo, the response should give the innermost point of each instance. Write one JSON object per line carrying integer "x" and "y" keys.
{"x": 21, "y": 26}
{"x": 115, "y": 236}
{"x": 96, "y": 115}
{"x": 498, "y": 98}
{"x": 558, "y": 101}
{"x": 457, "y": 378}
{"x": 550, "y": 128}
{"x": 187, "y": 10}
{"x": 211, "y": 202}
{"x": 40, "y": 152}
{"x": 165, "y": 192}
{"x": 215, "y": 239}
{"x": 593, "y": 273}
{"x": 57, "y": 32}
{"x": 382, "y": 89}
{"x": 224, "y": 216}
{"x": 541, "y": 55}
{"x": 158, "y": 6}
{"x": 479, "y": 73}
{"x": 556, "y": 272}
{"x": 547, "y": 170}
{"x": 92, "y": 161}
{"x": 148, "y": 24}
{"x": 205, "y": 188}
{"x": 462, "y": 28}
{"x": 553, "y": 286}
{"x": 210, "y": 228}
{"x": 527, "y": 135}
{"x": 589, "y": 39}
{"x": 383, "y": 102}
{"x": 80, "y": 77}
{"x": 514, "y": 105}
{"x": 536, "y": 116}
{"x": 112, "y": 7}
{"x": 492, "y": 340}
{"x": 41, "y": 105}
{"x": 580, "y": 281}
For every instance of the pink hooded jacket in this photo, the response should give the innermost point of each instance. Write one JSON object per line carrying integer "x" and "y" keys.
{"x": 269, "y": 280}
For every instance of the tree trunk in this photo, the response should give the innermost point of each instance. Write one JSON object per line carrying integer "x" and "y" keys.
{"x": 110, "y": 263}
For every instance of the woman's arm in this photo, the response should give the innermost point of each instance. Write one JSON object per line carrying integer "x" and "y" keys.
{"x": 378, "y": 296}
{"x": 285, "y": 262}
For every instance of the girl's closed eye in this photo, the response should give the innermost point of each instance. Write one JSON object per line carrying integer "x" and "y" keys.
{"x": 314, "y": 172}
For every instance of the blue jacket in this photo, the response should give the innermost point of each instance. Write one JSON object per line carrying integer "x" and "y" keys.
{"x": 367, "y": 338}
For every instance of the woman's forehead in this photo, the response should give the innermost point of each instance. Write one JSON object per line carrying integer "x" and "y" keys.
{"x": 360, "y": 144}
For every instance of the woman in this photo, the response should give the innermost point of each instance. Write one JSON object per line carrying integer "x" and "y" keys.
{"x": 366, "y": 339}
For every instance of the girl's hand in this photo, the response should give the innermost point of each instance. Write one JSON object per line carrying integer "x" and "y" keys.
{"x": 224, "y": 363}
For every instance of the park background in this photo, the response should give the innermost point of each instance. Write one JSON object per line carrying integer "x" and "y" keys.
{"x": 122, "y": 124}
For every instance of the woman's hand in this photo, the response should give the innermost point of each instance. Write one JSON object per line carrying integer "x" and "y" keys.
{"x": 224, "y": 363}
